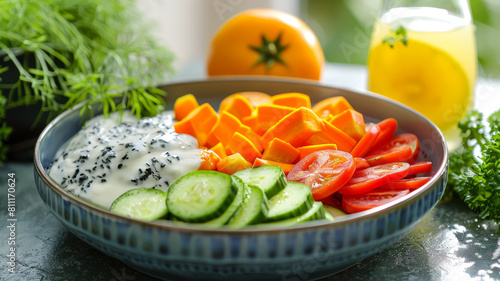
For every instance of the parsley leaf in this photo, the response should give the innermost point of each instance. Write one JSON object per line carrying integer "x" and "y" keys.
{"x": 477, "y": 179}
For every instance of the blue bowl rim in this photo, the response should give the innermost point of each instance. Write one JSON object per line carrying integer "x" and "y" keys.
{"x": 167, "y": 225}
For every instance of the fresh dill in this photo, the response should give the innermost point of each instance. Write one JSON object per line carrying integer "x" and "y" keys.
{"x": 90, "y": 51}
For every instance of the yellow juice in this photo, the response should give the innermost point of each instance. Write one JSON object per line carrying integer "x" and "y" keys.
{"x": 433, "y": 71}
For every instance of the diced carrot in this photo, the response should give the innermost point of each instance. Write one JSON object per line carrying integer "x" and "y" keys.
{"x": 251, "y": 121}
{"x": 219, "y": 149}
{"x": 328, "y": 118}
{"x": 261, "y": 162}
{"x": 184, "y": 127}
{"x": 225, "y": 128}
{"x": 209, "y": 160}
{"x": 270, "y": 114}
{"x": 212, "y": 139}
{"x": 239, "y": 106}
{"x": 225, "y": 102}
{"x": 242, "y": 145}
{"x": 255, "y": 99}
{"x": 184, "y": 105}
{"x": 294, "y": 100}
{"x": 201, "y": 121}
{"x": 252, "y": 136}
{"x": 331, "y": 134}
{"x": 308, "y": 149}
{"x": 295, "y": 128}
{"x": 333, "y": 105}
{"x": 351, "y": 122}
{"x": 280, "y": 151}
{"x": 232, "y": 164}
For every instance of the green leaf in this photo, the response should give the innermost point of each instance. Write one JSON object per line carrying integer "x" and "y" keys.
{"x": 477, "y": 179}
{"x": 398, "y": 35}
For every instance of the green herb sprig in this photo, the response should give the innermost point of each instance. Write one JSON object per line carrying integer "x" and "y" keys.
{"x": 398, "y": 35}
{"x": 476, "y": 179}
{"x": 83, "y": 51}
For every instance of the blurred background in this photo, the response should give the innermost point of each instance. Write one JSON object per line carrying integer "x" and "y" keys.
{"x": 343, "y": 26}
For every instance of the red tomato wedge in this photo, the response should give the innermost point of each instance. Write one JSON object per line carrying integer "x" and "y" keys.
{"x": 387, "y": 129}
{"x": 396, "y": 144}
{"x": 362, "y": 202}
{"x": 325, "y": 171}
{"x": 334, "y": 200}
{"x": 366, "y": 142}
{"x": 399, "y": 154}
{"x": 412, "y": 183}
{"x": 420, "y": 168}
{"x": 370, "y": 178}
{"x": 361, "y": 163}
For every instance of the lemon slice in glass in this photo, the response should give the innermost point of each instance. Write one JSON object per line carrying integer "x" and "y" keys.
{"x": 423, "y": 77}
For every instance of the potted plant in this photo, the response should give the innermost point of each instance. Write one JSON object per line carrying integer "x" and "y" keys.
{"x": 57, "y": 53}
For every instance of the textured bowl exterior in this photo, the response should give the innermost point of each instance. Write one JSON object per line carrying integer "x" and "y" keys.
{"x": 308, "y": 251}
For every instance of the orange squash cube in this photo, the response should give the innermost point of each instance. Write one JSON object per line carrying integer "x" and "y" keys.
{"x": 261, "y": 162}
{"x": 280, "y": 151}
{"x": 242, "y": 145}
{"x": 331, "y": 134}
{"x": 295, "y": 128}
{"x": 198, "y": 123}
{"x": 232, "y": 164}
{"x": 350, "y": 122}
{"x": 239, "y": 106}
{"x": 184, "y": 105}
{"x": 333, "y": 106}
{"x": 270, "y": 114}
{"x": 294, "y": 100}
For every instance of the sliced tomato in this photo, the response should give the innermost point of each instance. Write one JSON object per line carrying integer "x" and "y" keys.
{"x": 420, "y": 168}
{"x": 325, "y": 171}
{"x": 412, "y": 183}
{"x": 396, "y": 143}
{"x": 366, "y": 142}
{"x": 370, "y": 178}
{"x": 362, "y": 202}
{"x": 387, "y": 129}
{"x": 361, "y": 163}
{"x": 334, "y": 200}
{"x": 399, "y": 154}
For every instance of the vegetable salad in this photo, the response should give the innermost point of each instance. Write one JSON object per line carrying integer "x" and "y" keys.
{"x": 279, "y": 160}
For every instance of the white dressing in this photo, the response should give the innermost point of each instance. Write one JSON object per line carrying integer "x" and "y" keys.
{"x": 106, "y": 158}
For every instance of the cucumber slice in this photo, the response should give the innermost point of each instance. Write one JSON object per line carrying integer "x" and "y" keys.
{"x": 271, "y": 179}
{"x": 253, "y": 210}
{"x": 334, "y": 211}
{"x": 142, "y": 203}
{"x": 200, "y": 196}
{"x": 235, "y": 205}
{"x": 316, "y": 212}
{"x": 329, "y": 216}
{"x": 294, "y": 200}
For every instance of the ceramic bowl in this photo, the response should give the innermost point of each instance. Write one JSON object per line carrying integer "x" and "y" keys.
{"x": 307, "y": 251}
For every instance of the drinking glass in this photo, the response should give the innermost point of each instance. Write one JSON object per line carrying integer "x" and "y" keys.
{"x": 423, "y": 54}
